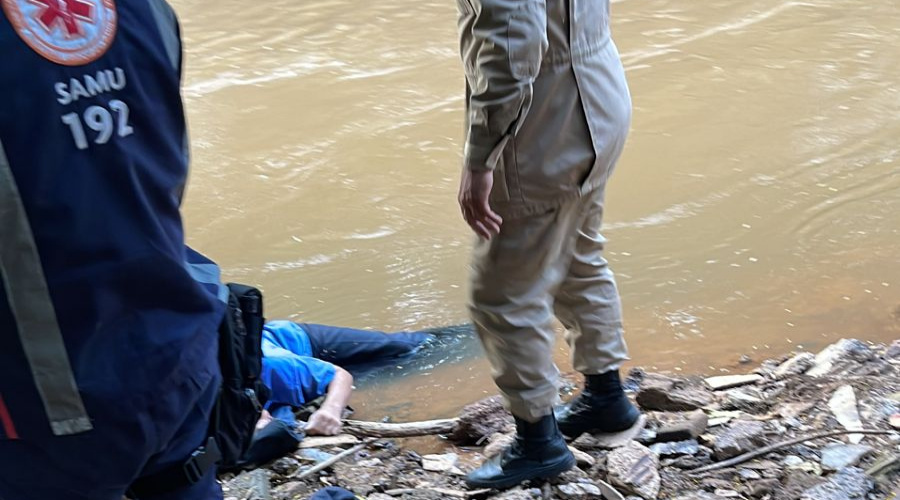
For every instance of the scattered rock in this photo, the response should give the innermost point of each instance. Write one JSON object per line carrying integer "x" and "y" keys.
{"x": 894, "y": 421}
{"x": 848, "y": 484}
{"x": 713, "y": 483}
{"x": 655, "y": 387}
{"x": 611, "y": 441}
{"x": 582, "y": 458}
{"x": 364, "y": 480}
{"x": 838, "y": 456}
{"x": 696, "y": 495}
{"x": 442, "y": 463}
{"x": 518, "y": 494}
{"x": 579, "y": 490}
{"x": 723, "y": 493}
{"x": 843, "y": 405}
{"x": 634, "y": 468}
{"x": 252, "y": 485}
{"x": 285, "y": 466}
{"x": 791, "y": 461}
{"x": 676, "y": 449}
{"x": 760, "y": 465}
{"x": 719, "y": 418}
{"x": 481, "y": 420}
{"x": 741, "y": 437}
{"x": 797, "y": 365}
{"x": 841, "y": 353}
{"x": 379, "y": 496}
{"x": 893, "y": 351}
{"x": 886, "y": 464}
{"x": 763, "y": 487}
{"x": 749, "y": 474}
{"x": 646, "y": 436}
{"x": 690, "y": 427}
{"x": 699, "y": 459}
{"x": 742, "y": 400}
{"x": 793, "y": 410}
{"x": 660, "y": 393}
{"x": 729, "y": 381}
{"x": 610, "y": 493}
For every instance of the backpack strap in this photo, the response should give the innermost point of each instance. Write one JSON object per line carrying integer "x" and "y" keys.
{"x": 178, "y": 476}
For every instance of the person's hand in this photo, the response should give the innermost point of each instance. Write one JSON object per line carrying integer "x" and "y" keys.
{"x": 264, "y": 420}
{"x": 474, "y": 191}
{"x": 324, "y": 422}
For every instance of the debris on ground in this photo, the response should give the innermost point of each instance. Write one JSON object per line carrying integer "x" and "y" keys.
{"x": 806, "y": 426}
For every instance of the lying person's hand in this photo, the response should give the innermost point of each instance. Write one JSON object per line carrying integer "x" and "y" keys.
{"x": 324, "y": 423}
{"x": 264, "y": 420}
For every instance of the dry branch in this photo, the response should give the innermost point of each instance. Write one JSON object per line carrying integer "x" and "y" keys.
{"x": 333, "y": 460}
{"x": 407, "y": 429}
{"x": 777, "y": 446}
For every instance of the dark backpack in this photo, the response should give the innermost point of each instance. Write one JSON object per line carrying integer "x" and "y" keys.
{"x": 243, "y": 393}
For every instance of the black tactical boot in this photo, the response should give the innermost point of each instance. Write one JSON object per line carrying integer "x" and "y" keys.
{"x": 539, "y": 452}
{"x": 602, "y": 407}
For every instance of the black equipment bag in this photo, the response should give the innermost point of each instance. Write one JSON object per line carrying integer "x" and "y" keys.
{"x": 243, "y": 393}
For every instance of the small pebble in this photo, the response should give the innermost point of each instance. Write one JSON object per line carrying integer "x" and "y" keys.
{"x": 750, "y": 474}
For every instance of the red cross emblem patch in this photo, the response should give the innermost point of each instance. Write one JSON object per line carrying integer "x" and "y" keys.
{"x": 68, "y": 32}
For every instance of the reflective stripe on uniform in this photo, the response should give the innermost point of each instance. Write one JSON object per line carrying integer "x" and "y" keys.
{"x": 29, "y": 300}
{"x": 6, "y": 423}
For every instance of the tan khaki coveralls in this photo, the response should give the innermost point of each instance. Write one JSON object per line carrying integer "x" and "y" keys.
{"x": 548, "y": 110}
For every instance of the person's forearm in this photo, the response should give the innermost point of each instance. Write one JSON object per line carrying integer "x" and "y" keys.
{"x": 339, "y": 391}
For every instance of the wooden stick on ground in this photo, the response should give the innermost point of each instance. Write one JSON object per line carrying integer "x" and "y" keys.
{"x": 443, "y": 491}
{"x": 333, "y": 460}
{"x": 407, "y": 429}
{"x": 777, "y": 446}
{"x": 325, "y": 441}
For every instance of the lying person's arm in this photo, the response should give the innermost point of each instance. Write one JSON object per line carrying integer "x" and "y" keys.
{"x": 326, "y": 421}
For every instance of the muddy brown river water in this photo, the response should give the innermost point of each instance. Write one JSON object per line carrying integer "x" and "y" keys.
{"x": 756, "y": 209}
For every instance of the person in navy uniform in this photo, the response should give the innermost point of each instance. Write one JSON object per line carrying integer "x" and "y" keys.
{"x": 108, "y": 321}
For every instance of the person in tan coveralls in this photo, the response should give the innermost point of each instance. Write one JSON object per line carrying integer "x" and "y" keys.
{"x": 547, "y": 114}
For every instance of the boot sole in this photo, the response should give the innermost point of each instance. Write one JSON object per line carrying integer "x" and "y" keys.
{"x": 545, "y": 472}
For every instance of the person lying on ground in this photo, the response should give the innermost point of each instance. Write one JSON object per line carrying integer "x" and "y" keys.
{"x": 302, "y": 362}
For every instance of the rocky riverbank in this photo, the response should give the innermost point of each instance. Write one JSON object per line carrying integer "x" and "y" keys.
{"x": 781, "y": 431}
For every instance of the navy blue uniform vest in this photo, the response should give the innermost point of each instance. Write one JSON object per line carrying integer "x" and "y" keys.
{"x": 93, "y": 144}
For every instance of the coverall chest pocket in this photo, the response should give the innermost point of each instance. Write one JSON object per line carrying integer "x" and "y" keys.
{"x": 526, "y": 36}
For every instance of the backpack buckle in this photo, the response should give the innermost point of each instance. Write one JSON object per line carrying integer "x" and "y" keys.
{"x": 201, "y": 460}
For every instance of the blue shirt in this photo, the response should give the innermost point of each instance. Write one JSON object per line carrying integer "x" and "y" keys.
{"x": 289, "y": 370}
